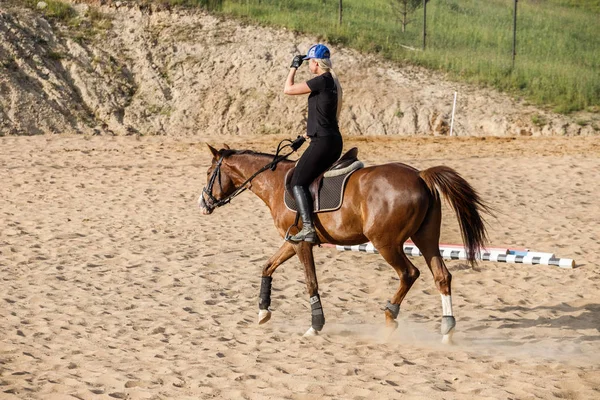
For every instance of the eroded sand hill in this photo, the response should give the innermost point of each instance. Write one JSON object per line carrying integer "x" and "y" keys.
{"x": 150, "y": 70}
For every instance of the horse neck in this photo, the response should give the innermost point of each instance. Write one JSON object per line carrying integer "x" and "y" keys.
{"x": 266, "y": 185}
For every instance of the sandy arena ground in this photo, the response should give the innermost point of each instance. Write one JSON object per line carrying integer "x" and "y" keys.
{"x": 115, "y": 286}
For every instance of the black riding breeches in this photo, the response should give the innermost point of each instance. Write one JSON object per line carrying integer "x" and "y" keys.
{"x": 321, "y": 154}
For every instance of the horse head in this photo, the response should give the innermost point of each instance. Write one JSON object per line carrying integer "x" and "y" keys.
{"x": 219, "y": 184}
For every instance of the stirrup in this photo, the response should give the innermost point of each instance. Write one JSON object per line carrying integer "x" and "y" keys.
{"x": 305, "y": 235}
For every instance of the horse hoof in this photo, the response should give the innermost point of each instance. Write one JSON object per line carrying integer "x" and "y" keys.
{"x": 448, "y": 324}
{"x": 263, "y": 316}
{"x": 447, "y": 338}
{"x": 390, "y": 328}
{"x": 391, "y": 325}
{"x": 311, "y": 332}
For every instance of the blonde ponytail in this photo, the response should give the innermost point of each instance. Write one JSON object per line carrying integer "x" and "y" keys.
{"x": 325, "y": 65}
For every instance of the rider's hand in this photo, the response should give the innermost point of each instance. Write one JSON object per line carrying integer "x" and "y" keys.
{"x": 297, "y": 61}
{"x": 297, "y": 143}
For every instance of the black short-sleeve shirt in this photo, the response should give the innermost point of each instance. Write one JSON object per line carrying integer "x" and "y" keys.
{"x": 322, "y": 106}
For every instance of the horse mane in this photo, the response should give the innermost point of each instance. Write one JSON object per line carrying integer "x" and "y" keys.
{"x": 230, "y": 152}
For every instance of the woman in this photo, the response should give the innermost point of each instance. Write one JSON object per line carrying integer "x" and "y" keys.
{"x": 324, "y": 105}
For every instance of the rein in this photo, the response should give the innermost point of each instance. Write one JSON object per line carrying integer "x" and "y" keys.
{"x": 214, "y": 202}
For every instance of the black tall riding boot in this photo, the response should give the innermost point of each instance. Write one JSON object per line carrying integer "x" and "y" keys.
{"x": 307, "y": 233}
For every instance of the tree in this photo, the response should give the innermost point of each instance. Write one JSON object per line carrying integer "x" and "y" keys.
{"x": 404, "y": 8}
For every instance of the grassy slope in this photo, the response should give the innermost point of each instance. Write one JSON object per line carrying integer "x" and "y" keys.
{"x": 558, "y": 41}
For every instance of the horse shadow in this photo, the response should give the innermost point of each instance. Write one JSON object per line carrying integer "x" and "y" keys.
{"x": 588, "y": 318}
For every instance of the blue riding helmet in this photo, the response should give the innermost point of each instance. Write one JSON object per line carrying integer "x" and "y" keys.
{"x": 318, "y": 51}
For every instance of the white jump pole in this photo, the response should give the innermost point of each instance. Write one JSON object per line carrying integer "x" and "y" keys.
{"x": 453, "y": 108}
{"x": 451, "y": 253}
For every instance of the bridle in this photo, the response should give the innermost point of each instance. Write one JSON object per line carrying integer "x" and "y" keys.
{"x": 207, "y": 191}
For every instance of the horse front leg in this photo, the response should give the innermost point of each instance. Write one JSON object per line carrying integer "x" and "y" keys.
{"x": 285, "y": 252}
{"x": 304, "y": 250}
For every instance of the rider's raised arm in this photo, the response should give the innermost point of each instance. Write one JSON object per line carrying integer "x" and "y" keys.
{"x": 290, "y": 87}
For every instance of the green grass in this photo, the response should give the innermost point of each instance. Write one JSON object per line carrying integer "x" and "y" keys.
{"x": 558, "y": 41}
{"x": 55, "y": 9}
{"x": 82, "y": 28}
{"x": 209, "y": 4}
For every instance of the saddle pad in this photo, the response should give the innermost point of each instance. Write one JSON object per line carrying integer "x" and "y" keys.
{"x": 331, "y": 192}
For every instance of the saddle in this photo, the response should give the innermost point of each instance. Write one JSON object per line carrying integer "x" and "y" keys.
{"x": 327, "y": 190}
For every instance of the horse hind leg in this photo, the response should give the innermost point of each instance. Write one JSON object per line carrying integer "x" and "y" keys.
{"x": 443, "y": 280}
{"x": 427, "y": 240}
{"x": 304, "y": 250}
{"x": 408, "y": 274}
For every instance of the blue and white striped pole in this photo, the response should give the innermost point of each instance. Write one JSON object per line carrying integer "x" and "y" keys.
{"x": 449, "y": 253}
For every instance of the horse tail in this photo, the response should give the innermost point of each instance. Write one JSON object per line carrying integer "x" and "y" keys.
{"x": 464, "y": 200}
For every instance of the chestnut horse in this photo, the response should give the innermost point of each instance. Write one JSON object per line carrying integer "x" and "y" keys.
{"x": 385, "y": 204}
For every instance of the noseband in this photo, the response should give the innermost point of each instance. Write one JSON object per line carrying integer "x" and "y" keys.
{"x": 213, "y": 202}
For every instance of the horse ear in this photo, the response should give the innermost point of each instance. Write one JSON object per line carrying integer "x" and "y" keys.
{"x": 226, "y": 147}
{"x": 214, "y": 151}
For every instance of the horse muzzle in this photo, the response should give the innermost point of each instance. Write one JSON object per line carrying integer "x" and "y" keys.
{"x": 204, "y": 208}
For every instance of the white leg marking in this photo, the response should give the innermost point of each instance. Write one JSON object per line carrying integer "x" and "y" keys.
{"x": 447, "y": 306}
